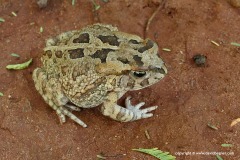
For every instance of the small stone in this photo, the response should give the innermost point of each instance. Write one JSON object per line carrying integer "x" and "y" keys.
{"x": 42, "y": 3}
{"x": 200, "y": 60}
{"x": 9, "y": 96}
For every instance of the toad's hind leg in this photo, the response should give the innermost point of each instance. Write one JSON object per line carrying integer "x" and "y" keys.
{"x": 50, "y": 89}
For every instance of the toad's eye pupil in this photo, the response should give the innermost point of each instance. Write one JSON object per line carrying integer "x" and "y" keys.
{"x": 139, "y": 73}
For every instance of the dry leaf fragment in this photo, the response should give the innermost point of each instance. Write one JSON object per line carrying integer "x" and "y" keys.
{"x": 235, "y": 121}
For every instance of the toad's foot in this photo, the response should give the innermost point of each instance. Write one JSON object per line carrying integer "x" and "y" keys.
{"x": 62, "y": 112}
{"x": 137, "y": 112}
{"x": 111, "y": 109}
{"x": 72, "y": 107}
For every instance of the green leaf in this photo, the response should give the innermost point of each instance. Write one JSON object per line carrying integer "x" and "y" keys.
{"x": 41, "y": 29}
{"x": 212, "y": 126}
{"x": 2, "y": 20}
{"x": 219, "y": 157}
{"x": 1, "y": 94}
{"x": 19, "y": 66}
{"x": 156, "y": 153}
{"x": 96, "y": 6}
{"x": 100, "y": 157}
{"x": 226, "y": 145}
{"x": 73, "y": 2}
{"x": 235, "y": 44}
{"x": 15, "y": 55}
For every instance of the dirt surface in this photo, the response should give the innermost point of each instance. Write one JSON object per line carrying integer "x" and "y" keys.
{"x": 189, "y": 97}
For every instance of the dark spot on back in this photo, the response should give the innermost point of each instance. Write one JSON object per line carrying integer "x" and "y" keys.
{"x": 148, "y": 46}
{"x": 49, "y": 53}
{"x": 76, "y": 53}
{"x": 59, "y": 54}
{"x": 112, "y": 40}
{"x": 123, "y": 60}
{"x": 83, "y": 38}
{"x": 102, "y": 54}
{"x": 134, "y": 41}
{"x": 138, "y": 60}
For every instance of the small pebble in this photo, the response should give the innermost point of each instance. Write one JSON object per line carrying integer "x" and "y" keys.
{"x": 235, "y": 3}
{"x": 42, "y": 3}
{"x": 200, "y": 60}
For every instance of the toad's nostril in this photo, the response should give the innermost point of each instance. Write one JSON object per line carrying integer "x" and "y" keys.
{"x": 161, "y": 70}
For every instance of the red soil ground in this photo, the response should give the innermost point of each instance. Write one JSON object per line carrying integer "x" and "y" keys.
{"x": 189, "y": 97}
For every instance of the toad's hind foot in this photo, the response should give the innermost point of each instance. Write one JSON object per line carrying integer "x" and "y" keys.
{"x": 62, "y": 112}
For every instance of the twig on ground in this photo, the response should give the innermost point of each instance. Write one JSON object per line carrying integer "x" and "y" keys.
{"x": 153, "y": 15}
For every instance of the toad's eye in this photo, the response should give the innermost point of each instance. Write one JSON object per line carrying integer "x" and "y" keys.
{"x": 139, "y": 74}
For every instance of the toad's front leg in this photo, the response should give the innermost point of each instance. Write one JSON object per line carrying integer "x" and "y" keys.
{"x": 111, "y": 109}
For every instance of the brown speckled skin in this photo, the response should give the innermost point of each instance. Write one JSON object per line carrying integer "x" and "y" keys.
{"x": 97, "y": 65}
